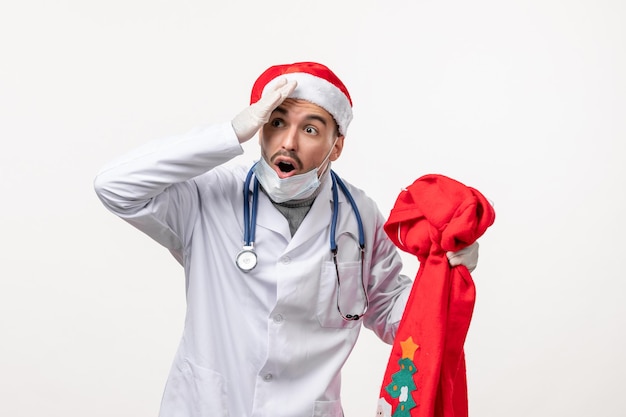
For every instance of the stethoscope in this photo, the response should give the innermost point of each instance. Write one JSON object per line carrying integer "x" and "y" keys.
{"x": 247, "y": 260}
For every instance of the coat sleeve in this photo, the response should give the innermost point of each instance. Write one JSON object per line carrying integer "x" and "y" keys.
{"x": 388, "y": 288}
{"x": 152, "y": 187}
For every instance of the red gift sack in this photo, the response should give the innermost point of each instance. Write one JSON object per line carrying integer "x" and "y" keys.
{"x": 425, "y": 373}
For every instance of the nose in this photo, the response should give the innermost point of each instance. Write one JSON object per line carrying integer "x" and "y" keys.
{"x": 290, "y": 139}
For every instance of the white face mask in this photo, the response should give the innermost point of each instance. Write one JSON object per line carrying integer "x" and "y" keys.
{"x": 295, "y": 187}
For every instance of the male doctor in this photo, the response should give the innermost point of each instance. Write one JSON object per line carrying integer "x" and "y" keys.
{"x": 298, "y": 260}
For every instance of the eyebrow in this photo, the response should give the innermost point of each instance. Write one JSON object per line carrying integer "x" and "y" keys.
{"x": 319, "y": 118}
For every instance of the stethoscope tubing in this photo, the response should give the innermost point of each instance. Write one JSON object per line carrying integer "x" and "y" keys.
{"x": 250, "y": 214}
{"x": 333, "y": 227}
{"x": 249, "y": 226}
{"x": 249, "y": 220}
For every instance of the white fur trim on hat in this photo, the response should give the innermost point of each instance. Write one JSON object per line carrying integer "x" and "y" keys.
{"x": 322, "y": 93}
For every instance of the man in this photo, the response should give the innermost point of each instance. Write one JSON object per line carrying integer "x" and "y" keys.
{"x": 271, "y": 316}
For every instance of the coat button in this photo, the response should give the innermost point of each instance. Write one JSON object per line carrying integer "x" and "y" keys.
{"x": 268, "y": 377}
{"x": 285, "y": 260}
{"x": 278, "y": 318}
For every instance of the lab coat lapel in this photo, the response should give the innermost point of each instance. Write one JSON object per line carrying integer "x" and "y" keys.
{"x": 270, "y": 218}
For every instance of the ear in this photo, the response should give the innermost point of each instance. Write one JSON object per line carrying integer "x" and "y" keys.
{"x": 337, "y": 149}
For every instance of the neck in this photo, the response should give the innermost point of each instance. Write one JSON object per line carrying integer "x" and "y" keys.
{"x": 296, "y": 210}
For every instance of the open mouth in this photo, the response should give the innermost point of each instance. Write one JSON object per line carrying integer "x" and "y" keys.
{"x": 285, "y": 163}
{"x": 285, "y": 167}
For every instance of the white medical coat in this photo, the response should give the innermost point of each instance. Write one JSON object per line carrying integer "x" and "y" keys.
{"x": 269, "y": 342}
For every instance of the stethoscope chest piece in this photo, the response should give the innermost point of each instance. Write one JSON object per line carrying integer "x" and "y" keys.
{"x": 246, "y": 259}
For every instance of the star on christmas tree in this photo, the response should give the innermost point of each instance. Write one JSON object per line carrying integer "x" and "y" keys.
{"x": 408, "y": 348}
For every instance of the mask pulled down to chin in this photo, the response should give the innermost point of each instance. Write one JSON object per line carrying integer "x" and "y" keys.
{"x": 296, "y": 187}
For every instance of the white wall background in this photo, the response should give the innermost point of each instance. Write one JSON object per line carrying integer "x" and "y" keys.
{"x": 524, "y": 100}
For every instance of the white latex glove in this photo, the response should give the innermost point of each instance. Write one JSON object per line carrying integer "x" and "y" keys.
{"x": 467, "y": 256}
{"x": 252, "y": 118}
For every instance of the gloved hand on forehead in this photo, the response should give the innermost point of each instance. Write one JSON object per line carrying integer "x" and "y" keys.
{"x": 467, "y": 256}
{"x": 252, "y": 118}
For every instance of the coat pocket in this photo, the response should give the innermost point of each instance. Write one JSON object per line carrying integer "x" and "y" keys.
{"x": 194, "y": 391}
{"x": 345, "y": 294}
{"x": 328, "y": 409}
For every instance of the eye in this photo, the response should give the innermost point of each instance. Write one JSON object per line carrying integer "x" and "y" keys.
{"x": 277, "y": 122}
{"x": 311, "y": 130}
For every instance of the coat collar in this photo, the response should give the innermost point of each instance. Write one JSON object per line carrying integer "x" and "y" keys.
{"x": 317, "y": 219}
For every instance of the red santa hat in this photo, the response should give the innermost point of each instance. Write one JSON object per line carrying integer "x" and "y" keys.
{"x": 316, "y": 84}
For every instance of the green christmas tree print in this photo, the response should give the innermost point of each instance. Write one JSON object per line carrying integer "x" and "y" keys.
{"x": 402, "y": 385}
